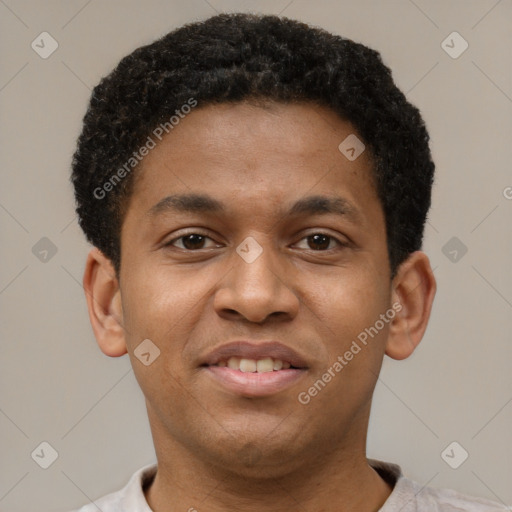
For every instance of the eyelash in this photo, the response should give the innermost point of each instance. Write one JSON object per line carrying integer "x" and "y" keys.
{"x": 340, "y": 243}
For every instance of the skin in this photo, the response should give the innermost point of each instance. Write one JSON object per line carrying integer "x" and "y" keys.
{"x": 218, "y": 450}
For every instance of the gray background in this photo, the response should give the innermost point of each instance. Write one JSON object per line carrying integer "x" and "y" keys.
{"x": 59, "y": 388}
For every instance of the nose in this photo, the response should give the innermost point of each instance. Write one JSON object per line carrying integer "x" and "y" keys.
{"x": 257, "y": 290}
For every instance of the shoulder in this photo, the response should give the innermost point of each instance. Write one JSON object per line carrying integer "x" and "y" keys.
{"x": 417, "y": 498}
{"x": 448, "y": 500}
{"x": 129, "y": 499}
{"x": 109, "y": 503}
{"x": 410, "y": 496}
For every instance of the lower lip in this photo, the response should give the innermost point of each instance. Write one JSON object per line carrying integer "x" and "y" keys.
{"x": 253, "y": 384}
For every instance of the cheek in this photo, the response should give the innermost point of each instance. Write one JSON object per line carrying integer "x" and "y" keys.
{"x": 349, "y": 304}
{"x": 158, "y": 303}
{"x": 342, "y": 387}
{"x": 162, "y": 305}
{"x": 353, "y": 309}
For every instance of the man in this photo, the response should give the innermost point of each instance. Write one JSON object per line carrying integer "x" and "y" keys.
{"x": 256, "y": 192}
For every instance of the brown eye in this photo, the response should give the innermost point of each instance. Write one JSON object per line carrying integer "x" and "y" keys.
{"x": 319, "y": 242}
{"x": 193, "y": 241}
{"x": 190, "y": 242}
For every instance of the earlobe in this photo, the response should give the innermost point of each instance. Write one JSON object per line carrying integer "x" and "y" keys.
{"x": 414, "y": 288}
{"x": 104, "y": 304}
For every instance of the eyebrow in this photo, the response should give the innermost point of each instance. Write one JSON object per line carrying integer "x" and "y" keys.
{"x": 314, "y": 205}
{"x": 191, "y": 203}
{"x": 311, "y": 205}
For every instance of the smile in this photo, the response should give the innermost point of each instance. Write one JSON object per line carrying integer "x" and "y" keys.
{"x": 266, "y": 364}
{"x": 254, "y": 369}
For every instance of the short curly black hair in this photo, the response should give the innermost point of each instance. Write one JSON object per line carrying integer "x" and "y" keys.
{"x": 239, "y": 57}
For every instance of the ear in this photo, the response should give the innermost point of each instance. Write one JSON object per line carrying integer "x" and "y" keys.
{"x": 413, "y": 291}
{"x": 104, "y": 303}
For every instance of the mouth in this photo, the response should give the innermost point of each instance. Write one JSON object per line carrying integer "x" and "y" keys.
{"x": 264, "y": 365}
{"x": 255, "y": 369}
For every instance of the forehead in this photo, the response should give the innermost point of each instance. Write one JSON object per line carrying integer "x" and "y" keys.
{"x": 262, "y": 154}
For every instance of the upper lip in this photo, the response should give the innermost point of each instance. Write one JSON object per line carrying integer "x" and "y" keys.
{"x": 254, "y": 350}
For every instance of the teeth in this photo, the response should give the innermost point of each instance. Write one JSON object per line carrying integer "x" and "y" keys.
{"x": 248, "y": 365}
{"x": 278, "y": 364}
{"x": 267, "y": 364}
{"x": 234, "y": 363}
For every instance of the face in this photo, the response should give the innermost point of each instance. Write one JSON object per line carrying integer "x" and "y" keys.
{"x": 252, "y": 243}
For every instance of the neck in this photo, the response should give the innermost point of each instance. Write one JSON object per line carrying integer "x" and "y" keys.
{"x": 340, "y": 480}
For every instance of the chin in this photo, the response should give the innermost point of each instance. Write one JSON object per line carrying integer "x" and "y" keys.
{"x": 249, "y": 455}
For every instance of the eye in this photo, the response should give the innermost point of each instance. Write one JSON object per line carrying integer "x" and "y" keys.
{"x": 191, "y": 241}
{"x": 321, "y": 242}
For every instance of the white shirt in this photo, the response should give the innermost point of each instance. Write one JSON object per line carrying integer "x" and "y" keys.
{"x": 407, "y": 495}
